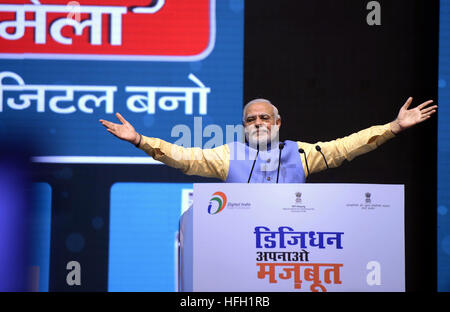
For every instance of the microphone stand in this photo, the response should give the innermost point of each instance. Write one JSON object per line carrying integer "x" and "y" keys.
{"x": 281, "y": 146}
{"x": 253, "y": 166}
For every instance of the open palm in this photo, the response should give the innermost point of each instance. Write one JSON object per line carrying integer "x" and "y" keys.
{"x": 123, "y": 131}
{"x": 409, "y": 117}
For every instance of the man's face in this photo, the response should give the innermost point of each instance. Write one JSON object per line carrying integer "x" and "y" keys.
{"x": 260, "y": 125}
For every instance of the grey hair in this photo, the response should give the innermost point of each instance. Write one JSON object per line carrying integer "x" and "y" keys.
{"x": 275, "y": 110}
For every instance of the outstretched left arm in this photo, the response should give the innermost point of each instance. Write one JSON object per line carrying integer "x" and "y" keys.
{"x": 366, "y": 140}
{"x": 410, "y": 117}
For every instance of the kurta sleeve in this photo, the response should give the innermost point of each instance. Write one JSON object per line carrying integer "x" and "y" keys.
{"x": 212, "y": 163}
{"x": 346, "y": 148}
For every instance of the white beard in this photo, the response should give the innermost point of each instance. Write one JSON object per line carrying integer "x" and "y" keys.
{"x": 261, "y": 136}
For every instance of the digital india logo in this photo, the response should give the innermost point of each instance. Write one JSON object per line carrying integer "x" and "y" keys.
{"x": 217, "y": 203}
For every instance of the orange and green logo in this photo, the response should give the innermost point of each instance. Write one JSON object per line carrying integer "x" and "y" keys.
{"x": 217, "y": 203}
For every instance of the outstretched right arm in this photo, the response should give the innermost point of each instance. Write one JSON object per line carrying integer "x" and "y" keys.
{"x": 213, "y": 163}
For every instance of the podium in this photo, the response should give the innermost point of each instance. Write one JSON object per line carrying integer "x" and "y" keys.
{"x": 293, "y": 237}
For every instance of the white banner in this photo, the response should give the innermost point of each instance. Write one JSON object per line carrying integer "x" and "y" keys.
{"x": 298, "y": 237}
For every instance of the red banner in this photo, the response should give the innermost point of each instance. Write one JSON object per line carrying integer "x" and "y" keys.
{"x": 138, "y": 29}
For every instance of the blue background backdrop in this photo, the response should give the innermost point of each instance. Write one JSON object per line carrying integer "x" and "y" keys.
{"x": 80, "y": 134}
{"x": 444, "y": 150}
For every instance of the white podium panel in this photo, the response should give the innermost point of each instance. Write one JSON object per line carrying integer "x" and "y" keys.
{"x": 298, "y": 237}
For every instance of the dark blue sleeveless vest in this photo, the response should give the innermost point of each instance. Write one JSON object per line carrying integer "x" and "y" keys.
{"x": 266, "y": 166}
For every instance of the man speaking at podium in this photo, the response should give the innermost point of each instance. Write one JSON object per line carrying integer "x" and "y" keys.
{"x": 262, "y": 158}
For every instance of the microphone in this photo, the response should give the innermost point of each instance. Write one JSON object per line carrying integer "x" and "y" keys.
{"x": 301, "y": 151}
{"x": 320, "y": 151}
{"x": 281, "y": 146}
{"x": 253, "y": 164}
